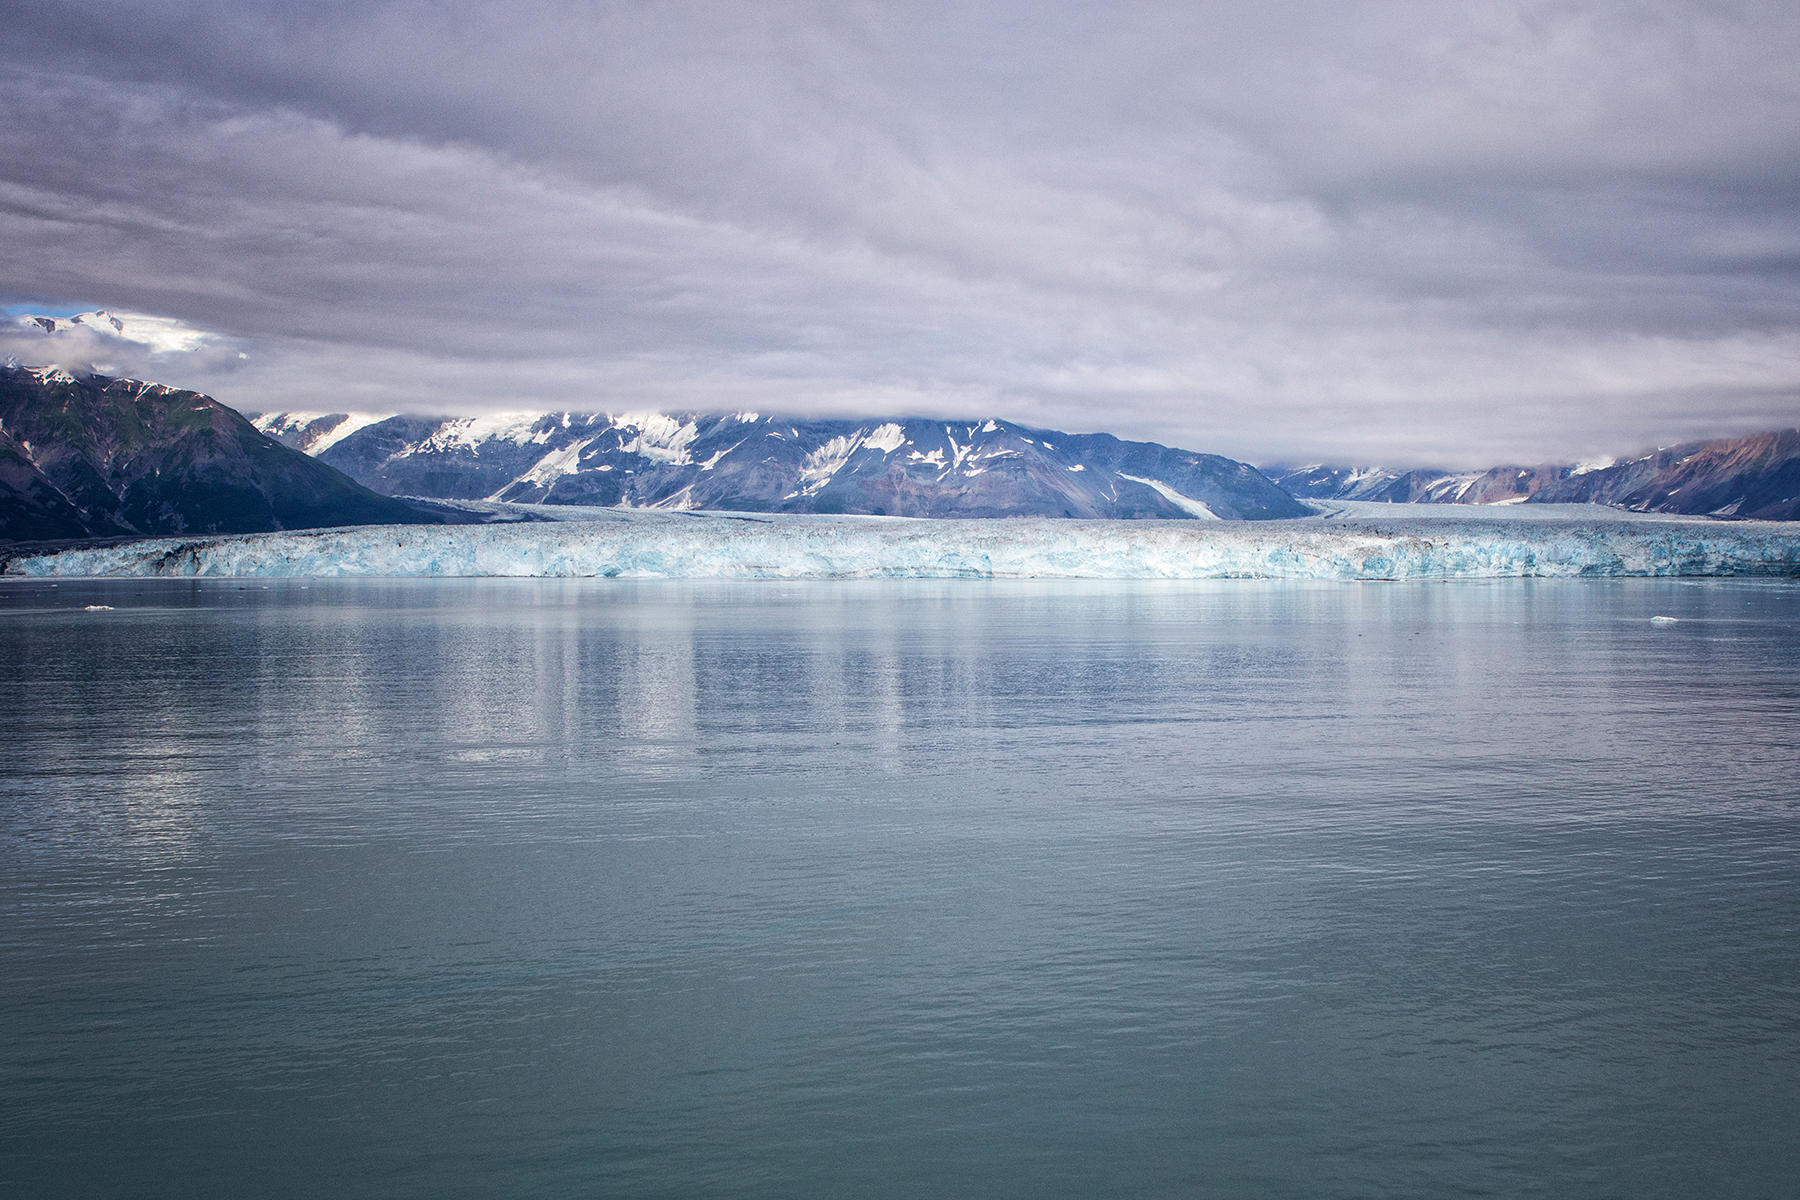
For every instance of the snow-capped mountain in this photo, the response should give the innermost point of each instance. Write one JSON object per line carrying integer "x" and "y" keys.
{"x": 158, "y": 335}
{"x": 1754, "y": 476}
{"x": 114, "y": 343}
{"x": 1498, "y": 485}
{"x": 756, "y": 463}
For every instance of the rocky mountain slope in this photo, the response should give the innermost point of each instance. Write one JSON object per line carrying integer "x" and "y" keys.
{"x": 755, "y": 463}
{"x": 1754, "y": 476}
{"x": 88, "y": 455}
{"x": 1500, "y": 485}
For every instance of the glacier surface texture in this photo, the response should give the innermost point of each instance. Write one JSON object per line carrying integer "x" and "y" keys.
{"x": 660, "y": 545}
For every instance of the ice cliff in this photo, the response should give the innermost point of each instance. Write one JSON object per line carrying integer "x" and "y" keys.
{"x": 658, "y": 545}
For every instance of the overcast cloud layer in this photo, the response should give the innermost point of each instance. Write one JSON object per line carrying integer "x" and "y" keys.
{"x": 1391, "y": 231}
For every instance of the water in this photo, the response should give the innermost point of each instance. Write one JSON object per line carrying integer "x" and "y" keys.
{"x": 544, "y": 888}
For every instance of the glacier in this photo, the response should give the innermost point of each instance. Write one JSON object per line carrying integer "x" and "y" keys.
{"x": 640, "y": 544}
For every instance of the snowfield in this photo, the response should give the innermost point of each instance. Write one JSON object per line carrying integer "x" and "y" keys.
{"x": 637, "y": 544}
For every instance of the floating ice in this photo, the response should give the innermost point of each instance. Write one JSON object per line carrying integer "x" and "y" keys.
{"x": 667, "y": 545}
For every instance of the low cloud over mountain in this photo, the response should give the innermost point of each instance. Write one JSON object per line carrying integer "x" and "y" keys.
{"x": 1400, "y": 231}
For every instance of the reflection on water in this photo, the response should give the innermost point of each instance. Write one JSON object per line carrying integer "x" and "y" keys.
{"x": 443, "y": 887}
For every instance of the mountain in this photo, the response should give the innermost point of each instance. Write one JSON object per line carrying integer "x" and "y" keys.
{"x": 159, "y": 335}
{"x": 88, "y": 455}
{"x": 748, "y": 462}
{"x": 1499, "y": 485}
{"x": 89, "y": 341}
{"x": 100, "y": 321}
{"x": 31, "y": 507}
{"x": 1754, "y": 476}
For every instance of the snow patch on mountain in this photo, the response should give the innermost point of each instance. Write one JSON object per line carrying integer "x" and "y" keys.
{"x": 681, "y": 501}
{"x": 660, "y": 438}
{"x": 1187, "y": 504}
{"x": 826, "y": 462}
{"x": 343, "y": 429}
{"x": 717, "y": 456}
{"x": 958, "y": 453}
{"x": 1588, "y": 466}
{"x": 553, "y": 466}
{"x": 886, "y": 438}
{"x": 313, "y": 433}
{"x": 467, "y": 433}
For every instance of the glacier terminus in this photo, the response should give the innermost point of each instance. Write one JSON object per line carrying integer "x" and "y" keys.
{"x": 1346, "y": 544}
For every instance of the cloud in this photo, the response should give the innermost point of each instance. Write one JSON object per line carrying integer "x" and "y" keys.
{"x": 116, "y": 343}
{"x": 1398, "y": 230}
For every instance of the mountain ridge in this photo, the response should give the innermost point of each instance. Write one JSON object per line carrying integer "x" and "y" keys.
{"x": 86, "y": 455}
{"x": 1754, "y": 475}
{"x": 750, "y": 462}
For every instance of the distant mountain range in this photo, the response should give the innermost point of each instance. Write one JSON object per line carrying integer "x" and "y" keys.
{"x": 993, "y": 468}
{"x": 1755, "y": 476}
{"x": 756, "y": 463}
{"x": 89, "y": 456}
{"x": 86, "y": 455}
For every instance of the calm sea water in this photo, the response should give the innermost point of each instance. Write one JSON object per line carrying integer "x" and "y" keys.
{"x": 584, "y": 888}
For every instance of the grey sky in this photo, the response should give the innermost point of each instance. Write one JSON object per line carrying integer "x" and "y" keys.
{"x": 1386, "y": 231}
